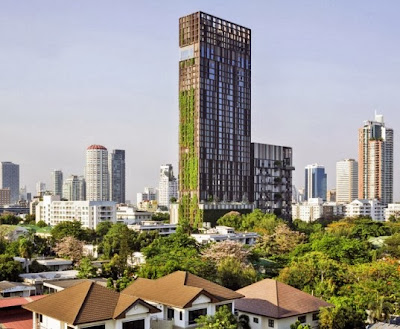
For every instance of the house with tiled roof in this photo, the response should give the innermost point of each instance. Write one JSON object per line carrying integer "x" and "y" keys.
{"x": 272, "y": 304}
{"x": 91, "y": 306}
{"x": 182, "y": 297}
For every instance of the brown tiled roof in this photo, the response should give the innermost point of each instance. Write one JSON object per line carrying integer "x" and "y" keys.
{"x": 179, "y": 289}
{"x": 277, "y": 300}
{"x": 84, "y": 303}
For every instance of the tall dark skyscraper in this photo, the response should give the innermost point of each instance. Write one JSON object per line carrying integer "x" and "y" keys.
{"x": 9, "y": 178}
{"x": 214, "y": 112}
{"x": 116, "y": 166}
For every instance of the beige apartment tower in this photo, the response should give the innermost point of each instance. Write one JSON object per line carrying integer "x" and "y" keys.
{"x": 346, "y": 180}
{"x": 96, "y": 174}
{"x": 375, "y": 158}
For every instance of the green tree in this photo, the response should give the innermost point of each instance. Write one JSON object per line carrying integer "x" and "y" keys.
{"x": 41, "y": 223}
{"x": 26, "y": 249}
{"x": 233, "y": 275}
{"x": 231, "y": 219}
{"x": 9, "y": 219}
{"x": 29, "y": 219}
{"x": 392, "y": 245}
{"x": 222, "y": 319}
{"x": 118, "y": 240}
{"x": 68, "y": 228}
{"x": 86, "y": 269}
{"x": 175, "y": 252}
{"x": 298, "y": 325}
{"x": 9, "y": 268}
{"x": 103, "y": 228}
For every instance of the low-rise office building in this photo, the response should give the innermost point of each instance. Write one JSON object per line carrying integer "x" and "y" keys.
{"x": 90, "y": 213}
{"x": 130, "y": 215}
{"x": 163, "y": 229}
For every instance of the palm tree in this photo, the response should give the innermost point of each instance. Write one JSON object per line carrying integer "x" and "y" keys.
{"x": 26, "y": 250}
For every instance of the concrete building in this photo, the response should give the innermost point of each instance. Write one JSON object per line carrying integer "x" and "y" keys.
{"x": 315, "y": 208}
{"x": 346, "y": 180}
{"x": 57, "y": 182}
{"x": 40, "y": 188}
{"x": 375, "y": 158}
{"x": 214, "y": 112}
{"x": 97, "y": 174}
{"x": 363, "y": 207}
{"x": 163, "y": 229}
{"x": 271, "y": 168}
{"x": 315, "y": 182}
{"x": 130, "y": 215}
{"x": 9, "y": 178}
{"x": 74, "y": 188}
{"x": 90, "y": 213}
{"x": 5, "y": 196}
{"x": 224, "y": 233}
{"x": 116, "y": 166}
{"x": 392, "y": 210}
{"x": 149, "y": 194}
{"x": 331, "y": 195}
{"x": 167, "y": 186}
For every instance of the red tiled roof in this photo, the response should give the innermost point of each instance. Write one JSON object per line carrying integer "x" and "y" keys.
{"x": 277, "y": 300}
{"x": 16, "y": 319}
{"x": 18, "y": 301}
{"x": 96, "y": 147}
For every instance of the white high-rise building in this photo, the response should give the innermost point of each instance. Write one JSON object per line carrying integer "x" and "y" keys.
{"x": 9, "y": 178}
{"x": 96, "y": 174}
{"x": 74, "y": 188}
{"x": 375, "y": 161}
{"x": 168, "y": 185}
{"x": 57, "y": 182}
{"x": 346, "y": 180}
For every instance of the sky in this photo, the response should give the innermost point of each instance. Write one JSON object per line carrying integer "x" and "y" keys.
{"x": 76, "y": 73}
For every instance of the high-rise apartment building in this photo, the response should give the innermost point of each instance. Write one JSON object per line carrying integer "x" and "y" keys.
{"x": 315, "y": 182}
{"x": 116, "y": 166}
{"x": 167, "y": 186}
{"x": 57, "y": 182}
{"x": 9, "y": 178}
{"x": 96, "y": 174}
{"x": 214, "y": 112}
{"x": 5, "y": 196}
{"x": 74, "y": 188}
{"x": 40, "y": 188}
{"x": 375, "y": 161}
{"x": 346, "y": 180}
{"x": 272, "y": 168}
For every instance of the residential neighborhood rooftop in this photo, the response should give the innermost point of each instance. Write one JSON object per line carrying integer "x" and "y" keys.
{"x": 179, "y": 289}
{"x": 277, "y": 300}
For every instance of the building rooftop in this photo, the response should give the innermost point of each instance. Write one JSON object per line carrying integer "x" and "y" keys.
{"x": 85, "y": 303}
{"x": 96, "y": 147}
{"x": 277, "y": 300}
{"x": 179, "y": 289}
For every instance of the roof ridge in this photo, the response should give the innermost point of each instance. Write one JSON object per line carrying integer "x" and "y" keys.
{"x": 84, "y": 300}
{"x": 277, "y": 297}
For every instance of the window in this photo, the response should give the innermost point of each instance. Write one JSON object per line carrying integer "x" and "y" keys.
{"x": 180, "y": 316}
{"x": 315, "y": 316}
{"x": 255, "y": 320}
{"x": 302, "y": 319}
{"x": 170, "y": 313}
{"x": 229, "y": 306}
{"x": 271, "y": 323}
{"x": 138, "y": 324}
{"x": 193, "y": 315}
{"x": 40, "y": 317}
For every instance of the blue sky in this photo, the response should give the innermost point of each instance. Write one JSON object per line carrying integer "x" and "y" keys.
{"x": 74, "y": 73}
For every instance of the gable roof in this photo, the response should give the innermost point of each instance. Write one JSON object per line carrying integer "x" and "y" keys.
{"x": 277, "y": 300}
{"x": 84, "y": 303}
{"x": 179, "y": 289}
